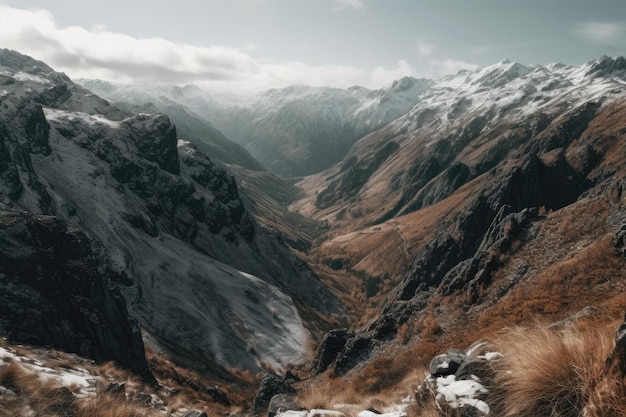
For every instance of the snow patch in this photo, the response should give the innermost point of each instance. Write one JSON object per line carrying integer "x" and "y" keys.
{"x": 91, "y": 119}
{"x": 462, "y": 393}
{"x": 79, "y": 380}
{"x": 367, "y": 413}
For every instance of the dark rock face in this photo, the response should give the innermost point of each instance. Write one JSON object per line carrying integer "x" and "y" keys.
{"x": 281, "y": 403}
{"x": 354, "y": 176}
{"x": 155, "y": 137}
{"x": 55, "y": 291}
{"x": 619, "y": 240}
{"x": 357, "y": 349}
{"x": 271, "y": 386}
{"x": 332, "y": 344}
{"x": 447, "y": 363}
{"x": 37, "y": 130}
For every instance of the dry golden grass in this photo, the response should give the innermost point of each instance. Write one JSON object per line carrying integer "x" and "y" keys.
{"x": 552, "y": 373}
{"x": 591, "y": 277}
{"x": 104, "y": 405}
{"x": 44, "y": 397}
{"x": 48, "y": 398}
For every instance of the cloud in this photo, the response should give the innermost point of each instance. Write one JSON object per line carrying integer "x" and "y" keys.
{"x": 424, "y": 49}
{"x": 440, "y": 67}
{"x": 99, "y": 53}
{"x": 348, "y": 4}
{"x": 434, "y": 67}
{"x": 600, "y": 32}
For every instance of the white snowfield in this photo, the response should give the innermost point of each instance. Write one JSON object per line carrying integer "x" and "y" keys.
{"x": 511, "y": 89}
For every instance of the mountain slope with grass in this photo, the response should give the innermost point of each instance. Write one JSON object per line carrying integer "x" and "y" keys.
{"x": 498, "y": 199}
{"x": 476, "y": 241}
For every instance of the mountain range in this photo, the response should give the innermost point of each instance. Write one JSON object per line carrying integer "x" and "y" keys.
{"x": 399, "y": 222}
{"x": 292, "y": 132}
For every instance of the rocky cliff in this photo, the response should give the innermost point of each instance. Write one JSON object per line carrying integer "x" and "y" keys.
{"x": 55, "y": 291}
{"x": 208, "y": 283}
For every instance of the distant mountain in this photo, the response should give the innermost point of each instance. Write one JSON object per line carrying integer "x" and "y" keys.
{"x": 293, "y": 131}
{"x": 211, "y": 286}
{"x": 187, "y": 107}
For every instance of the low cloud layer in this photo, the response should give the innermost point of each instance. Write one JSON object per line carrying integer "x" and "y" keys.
{"x": 348, "y": 4}
{"x": 99, "y": 53}
{"x": 600, "y": 32}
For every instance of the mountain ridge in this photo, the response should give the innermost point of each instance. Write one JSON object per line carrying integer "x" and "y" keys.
{"x": 165, "y": 215}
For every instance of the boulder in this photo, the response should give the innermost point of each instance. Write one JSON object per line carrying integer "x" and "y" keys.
{"x": 271, "y": 385}
{"x": 283, "y": 402}
{"x": 447, "y": 363}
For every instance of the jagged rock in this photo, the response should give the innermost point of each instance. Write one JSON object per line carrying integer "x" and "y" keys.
{"x": 155, "y": 137}
{"x": 356, "y": 350}
{"x": 457, "y": 382}
{"x": 474, "y": 367}
{"x": 281, "y": 403}
{"x": 330, "y": 347}
{"x": 385, "y": 328}
{"x": 447, "y": 363}
{"x": 144, "y": 398}
{"x": 6, "y": 80}
{"x": 37, "y": 130}
{"x": 52, "y": 292}
{"x": 476, "y": 271}
{"x": 271, "y": 385}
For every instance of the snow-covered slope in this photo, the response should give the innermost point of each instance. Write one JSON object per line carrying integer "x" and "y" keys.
{"x": 164, "y": 213}
{"x": 466, "y": 122}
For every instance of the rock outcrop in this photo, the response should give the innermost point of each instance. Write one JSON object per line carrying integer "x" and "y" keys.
{"x": 270, "y": 387}
{"x": 55, "y": 290}
{"x": 458, "y": 381}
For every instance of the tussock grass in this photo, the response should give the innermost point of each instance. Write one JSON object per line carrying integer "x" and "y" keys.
{"x": 553, "y": 373}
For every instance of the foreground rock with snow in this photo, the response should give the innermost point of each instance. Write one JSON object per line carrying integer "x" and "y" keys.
{"x": 458, "y": 380}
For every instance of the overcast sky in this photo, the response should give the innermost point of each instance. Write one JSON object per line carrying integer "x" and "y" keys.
{"x": 248, "y": 45}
